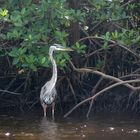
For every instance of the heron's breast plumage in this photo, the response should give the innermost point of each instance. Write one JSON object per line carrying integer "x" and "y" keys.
{"x": 48, "y": 96}
{"x": 49, "y": 99}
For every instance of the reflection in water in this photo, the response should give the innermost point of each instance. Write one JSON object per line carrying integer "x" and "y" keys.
{"x": 49, "y": 129}
{"x": 35, "y": 128}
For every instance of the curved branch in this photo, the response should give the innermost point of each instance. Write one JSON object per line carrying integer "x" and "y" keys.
{"x": 120, "y": 45}
{"x": 99, "y": 93}
{"x": 105, "y": 76}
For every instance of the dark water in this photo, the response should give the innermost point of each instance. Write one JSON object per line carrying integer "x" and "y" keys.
{"x": 99, "y": 128}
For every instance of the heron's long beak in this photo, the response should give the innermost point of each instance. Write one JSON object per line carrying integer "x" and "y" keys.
{"x": 67, "y": 49}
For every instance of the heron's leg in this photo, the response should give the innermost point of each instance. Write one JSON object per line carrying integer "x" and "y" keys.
{"x": 44, "y": 109}
{"x": 53, "y": 107}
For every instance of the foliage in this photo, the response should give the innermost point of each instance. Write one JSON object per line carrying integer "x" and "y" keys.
{"x": 79, "y": 48}
{"x": 112, "y": 20}
{"x": 34, "y": 26}
{"x": 29, "y": 27}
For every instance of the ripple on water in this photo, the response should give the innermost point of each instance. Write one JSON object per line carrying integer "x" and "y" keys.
{"x": 46, "y": 129}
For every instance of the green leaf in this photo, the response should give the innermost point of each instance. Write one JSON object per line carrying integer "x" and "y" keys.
{"x": 33, "y": 67}
{"x": 13, "y": 53}
{"x": 15, "y": 61}
{"x": 3, "y": 12}
{"x": 43, "y": 60}
{"x": 105, "y": 46}
{"x": 80, "y": 48}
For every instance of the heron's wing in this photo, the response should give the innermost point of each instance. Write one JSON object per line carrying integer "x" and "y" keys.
{"x": 44, "y": 90}
{"x": 47, "y": 92}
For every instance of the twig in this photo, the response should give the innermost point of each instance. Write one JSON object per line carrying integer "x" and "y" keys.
{"x": 10, "y": 84}
{"x": 120, "y": 45}
{"x": 72, "y": 90}
{"x": 136, "y": 71}
{"x": 130, "y": 76}
{"x": 130, "y": 95}
{"x": 94, "y": 52}
{"x": 6, "y": 91}
{"x": 127, "y": 3}
{"x": 93, "y": 92}
{"x": 33, "y": 104}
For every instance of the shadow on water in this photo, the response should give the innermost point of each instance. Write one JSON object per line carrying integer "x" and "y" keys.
{"x": 99, "y": 128}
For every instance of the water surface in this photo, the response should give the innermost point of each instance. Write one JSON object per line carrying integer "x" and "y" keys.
{"x": 98, "y": 128}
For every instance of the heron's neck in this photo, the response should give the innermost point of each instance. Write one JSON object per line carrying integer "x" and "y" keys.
{"x": 54, "y": 74}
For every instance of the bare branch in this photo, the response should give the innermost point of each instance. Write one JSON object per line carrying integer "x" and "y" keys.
{"x": 93, "y": 92}
{"x": 130, "y": 1}
{"x": 120, "y": 45}
{"x": 10, "y": 92}
{"x": 100, "y": 92}
{"x": 105, "y": 76}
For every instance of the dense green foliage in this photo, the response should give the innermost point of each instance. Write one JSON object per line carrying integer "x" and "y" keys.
{"x": 30, "y": 27}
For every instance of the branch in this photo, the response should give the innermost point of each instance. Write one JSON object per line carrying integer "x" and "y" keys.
{"x": 127, "y": 3}
{"x": 93, "y": 92}
{"x": 10, "y": 92}
{"x": 120, "y": 45}
{"x": 105, "y": 76}
{"x": 100, "y": 92}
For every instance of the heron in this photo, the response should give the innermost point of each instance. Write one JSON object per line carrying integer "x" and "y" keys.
{"x": 48, "y": 92}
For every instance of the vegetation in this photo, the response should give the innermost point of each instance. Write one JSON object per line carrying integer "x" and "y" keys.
{"x": 105, "y": 35}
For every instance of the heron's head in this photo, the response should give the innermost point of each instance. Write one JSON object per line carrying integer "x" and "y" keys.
{"x": 58, "y": 47}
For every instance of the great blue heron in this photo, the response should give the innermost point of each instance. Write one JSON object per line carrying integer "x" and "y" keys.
{"x": 48, "y": 91}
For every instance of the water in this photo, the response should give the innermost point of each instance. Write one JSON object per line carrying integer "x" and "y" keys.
{"x": 38, "y": 128}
